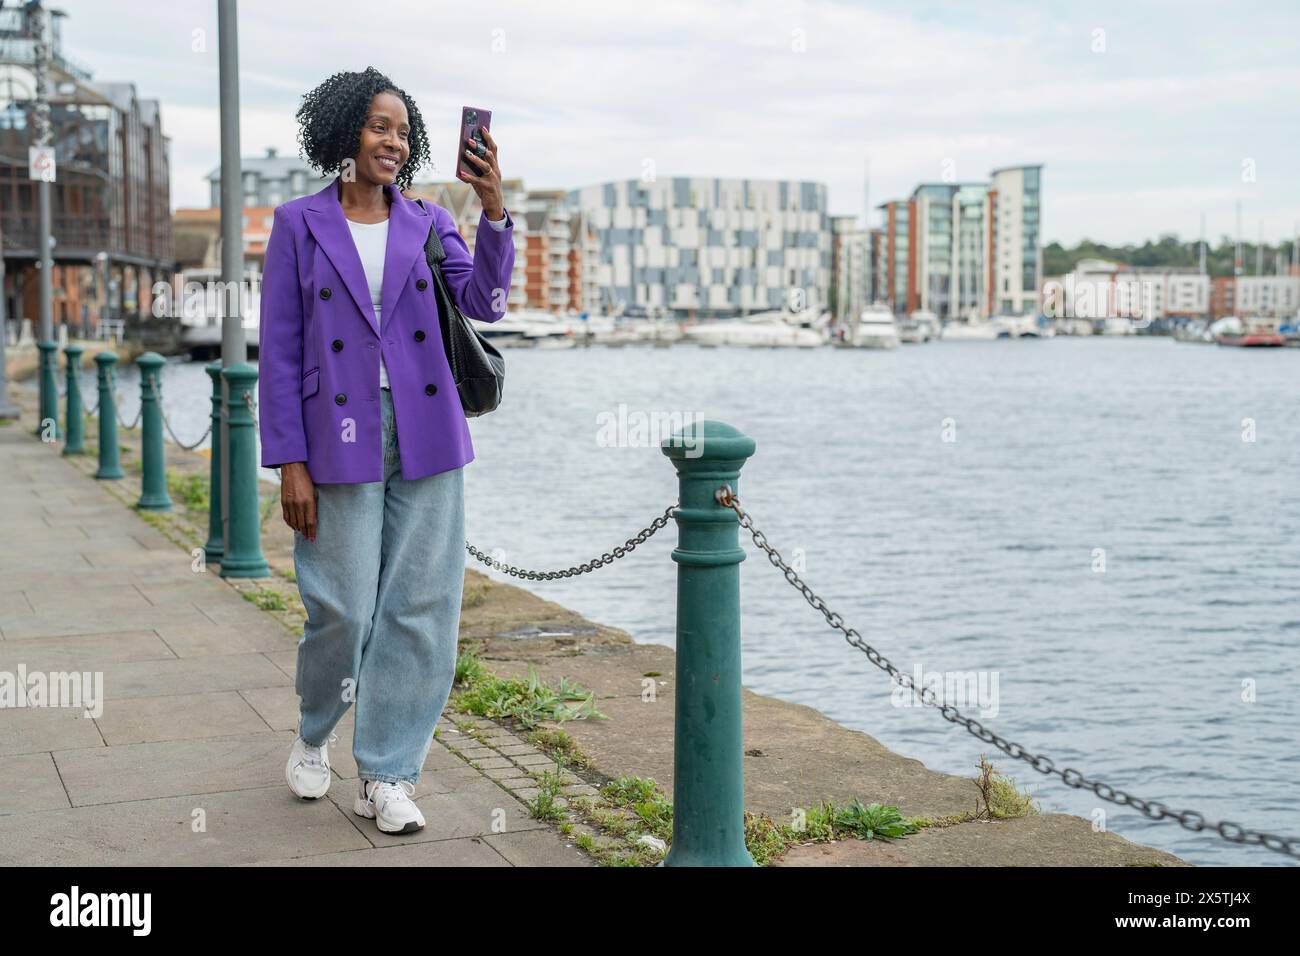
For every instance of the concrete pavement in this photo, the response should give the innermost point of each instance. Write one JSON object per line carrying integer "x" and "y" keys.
{"x": 181, "y": 762}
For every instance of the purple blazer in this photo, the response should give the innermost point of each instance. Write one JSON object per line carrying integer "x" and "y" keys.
{"x": 319, "y": 344}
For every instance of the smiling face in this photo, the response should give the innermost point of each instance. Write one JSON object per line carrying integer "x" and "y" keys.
{"x": 385, "y": 140}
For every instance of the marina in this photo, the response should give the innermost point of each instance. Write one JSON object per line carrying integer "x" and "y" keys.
{"x": 877, "y": 327}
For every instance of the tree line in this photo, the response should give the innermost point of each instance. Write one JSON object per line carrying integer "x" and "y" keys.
{"x": 1168, "y": 250}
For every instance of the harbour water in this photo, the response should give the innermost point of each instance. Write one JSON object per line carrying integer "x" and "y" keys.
{"x": 1112, "y": 541}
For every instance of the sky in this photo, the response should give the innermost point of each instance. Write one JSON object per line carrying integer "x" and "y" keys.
{"x": 1146, "y": 115}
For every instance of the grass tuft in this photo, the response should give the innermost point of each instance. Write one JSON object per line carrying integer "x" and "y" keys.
{"x": 529, "y": 702}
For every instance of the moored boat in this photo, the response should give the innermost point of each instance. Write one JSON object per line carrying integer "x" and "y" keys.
{"x": 958, "y": 331}
{"x": 1247, "y": 333}
{"x": 1253, "y": 340}
{"x": 765, "y": 330}
{"x": 875, "y": 329}
{"x": 919, "y": 327}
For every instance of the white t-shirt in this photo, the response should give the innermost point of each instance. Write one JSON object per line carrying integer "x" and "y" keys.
{"x": 371, "y": 239}
{"x": 372, "y": 243}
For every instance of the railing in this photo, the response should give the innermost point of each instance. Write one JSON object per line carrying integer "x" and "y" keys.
{"x": 234, "y": 520}
{"x": 708, "y": 776}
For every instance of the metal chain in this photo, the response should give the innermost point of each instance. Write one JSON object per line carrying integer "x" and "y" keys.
{"x": 138, "y": 415}
{"x": 153, "y": 388}
{"x": 607, "y": 558}
{"x": 190, "y": 447}
{"x": 248, "y": 400}
{"x": 1155, "y": 810}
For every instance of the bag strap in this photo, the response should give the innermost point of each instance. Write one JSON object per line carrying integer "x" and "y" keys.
{"x": 433, "y": 251}
{"x": 433, "y": 255}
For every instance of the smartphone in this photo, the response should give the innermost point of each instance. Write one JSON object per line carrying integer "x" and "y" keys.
{"x": 472, "y": 123}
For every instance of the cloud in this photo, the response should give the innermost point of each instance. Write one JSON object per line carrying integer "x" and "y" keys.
{"x": 1166, "y": 110}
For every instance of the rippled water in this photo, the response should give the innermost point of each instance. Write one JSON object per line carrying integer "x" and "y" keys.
{"x": 978, "y": 554}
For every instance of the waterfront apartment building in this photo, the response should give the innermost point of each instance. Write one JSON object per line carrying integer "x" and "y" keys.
{"x": 1223, "y": 299}
{"x": 853, "y": 259}
{"x": 1015, "y": 240}
{"x": 696, "y": 247}
{"x": 950, "y": 273}
{"x": 1269, "y": 296}
{"x": 1098, "y": 289}
{"x": 896, "y": 282}
{"x": 110, "y": 201}
{"x": 965, "y": 250}
{"x": 561, "y": 251}
{"x": 1274, "y": 297}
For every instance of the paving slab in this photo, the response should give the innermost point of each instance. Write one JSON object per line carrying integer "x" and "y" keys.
{"x": 211, "y": 829}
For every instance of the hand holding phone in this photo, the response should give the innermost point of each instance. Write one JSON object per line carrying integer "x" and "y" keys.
{"x": 476, "y": 161}
{"x": 472, "y": 123}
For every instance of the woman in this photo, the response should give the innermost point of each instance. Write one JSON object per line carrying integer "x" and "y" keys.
{"x": 359, "y": 411}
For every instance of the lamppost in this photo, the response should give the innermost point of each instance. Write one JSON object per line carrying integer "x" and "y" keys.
{"x": 38, "y": 27}
{"x": 241, "y": 538}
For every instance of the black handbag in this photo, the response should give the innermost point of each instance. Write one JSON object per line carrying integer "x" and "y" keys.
{"x": 477, "y": 368}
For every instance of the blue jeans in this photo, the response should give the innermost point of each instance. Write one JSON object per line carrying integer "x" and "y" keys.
{"x": 382, "y": 587}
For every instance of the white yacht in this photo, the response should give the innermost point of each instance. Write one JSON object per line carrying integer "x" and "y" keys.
{"x": 1020, "y": 327}
{"x": 970, "y": 331}
{"x": 875, "y": 329}
{"x": 641, "y": 330}
{"x": 762, "y": 330}
{"x": 619, "y": 330}
{"x": 919, "y": 327}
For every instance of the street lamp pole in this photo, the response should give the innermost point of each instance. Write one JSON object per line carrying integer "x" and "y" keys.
{"x": 241, "y": 554}
{"x": 38, "y": 26}
{"x": 233, "y": 348}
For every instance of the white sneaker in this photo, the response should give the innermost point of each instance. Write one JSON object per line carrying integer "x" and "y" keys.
{"x": 308, "y": 769}
{"x": 389, "y": 805}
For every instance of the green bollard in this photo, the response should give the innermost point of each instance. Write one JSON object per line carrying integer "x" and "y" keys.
{"x": 153, "y": 491}
{"x": 213, "y": 550}
{"x": 109, "y": 459}
{"x": 708, "y": 763}
{"x": 243, "y": 540}
{"x": 73, "y": 411}
{"x": 47, "y": 425}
